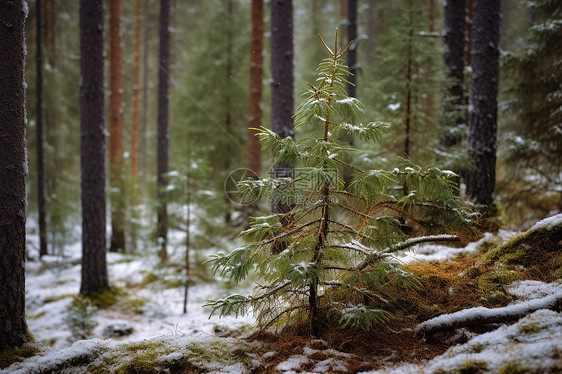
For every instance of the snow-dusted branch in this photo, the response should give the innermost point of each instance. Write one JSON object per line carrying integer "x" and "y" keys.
{"x": 483, "y": 316}
{"x": 371, "y": 259}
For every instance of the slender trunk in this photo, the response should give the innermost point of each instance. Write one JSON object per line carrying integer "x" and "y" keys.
{"x": 282, "y": 100}
{"x": 144, "y": 117}
{"x": 468, "y": 54}
{"x": 408, "y": 113}
{"x": 116, "y": 160}
{"x": 256, "y": 88}
{"x": 49, "y": 16}
{"x": 13, "y": 165}
{"x": 135, "y": 125}
{"x": 163, "y": 116}
{"x": 352, "y": 51}
{"x": 371, "y": 32}
{"x": 453, "y": 115}
{"x": 92, "y": 148}
{"x": 136, "y": 94}
{"x": 187, "y": 238}
{"x": 483, "y": 101}
{"x": 40, "y": 137}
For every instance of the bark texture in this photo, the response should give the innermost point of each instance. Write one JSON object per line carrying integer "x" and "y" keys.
{"x": 13, "y": 167}
{"x": 454, "y": 57}
{"x": 116, "y": 160}
{"x": 282, "y": 100}
{"x": 483, "y": 101}
{"x": 256, "y": 87}
{"x": 163, "y": 117}
{"x": 92, "y": 147}
{"x": 39, "y": 128}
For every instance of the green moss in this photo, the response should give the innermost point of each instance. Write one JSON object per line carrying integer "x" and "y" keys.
{"x": 149, "y": 277}
{"x": 38, "y": 315}
{"x": 472, "y": 367}
{"x": 135, "y": 304}
{"x": 528, "y": 248}
{"x": 106, "y": 298}
{"x": 175, "y": 283}
{"x": 58, "y": 298}
{"x": 491, "y": 285}
{"x": 479, "y": 347}
{"x": 8, "y": 356}
{"x": 530, "y": 328}
{"x": 513, "y": 368}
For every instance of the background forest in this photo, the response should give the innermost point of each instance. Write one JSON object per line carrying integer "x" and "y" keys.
{"x": 182, "y": 129}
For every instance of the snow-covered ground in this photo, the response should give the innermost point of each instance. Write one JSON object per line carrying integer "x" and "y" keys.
{"x": 149, "y": 310}
{"x": 152, "y": 311}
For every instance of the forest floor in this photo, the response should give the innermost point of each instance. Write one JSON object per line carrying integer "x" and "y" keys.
{"x": 141, "y": 327}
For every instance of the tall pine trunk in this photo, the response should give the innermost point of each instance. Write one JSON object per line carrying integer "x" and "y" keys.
{"x": 92, "y": 148}
{"x": 116, "y": 161}
{"x": 483, "y": 101}
{"x": 282, "y": 100}
{"x": 256, "y": 87}
{"x": 40, "y": 137}
{"x": 13, "y": 165}
{"x": 454, "y": 55}
{"x": 163, "y": 115}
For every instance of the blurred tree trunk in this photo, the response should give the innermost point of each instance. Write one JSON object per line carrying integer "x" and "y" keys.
{"x": 49, "y": 15}
{"x": 92, "y": 147}
{"x": 40, "y": 137}
{"x": 256, "y": 87}
{"x": 163, "y": 116}
{"x": 282, "y": 100}
{"x": 352, "y": 52}
{"x": 116, "y": 161}
{"x": 371, "y": 32}
{"x": 144, "y": 117}
{"x": 13, "y": 165}
{"x": 453, "y": 114}
{"x": 136, "y": 94}
{"x": 135, "y": 125}
{"x": 483, "y": 101}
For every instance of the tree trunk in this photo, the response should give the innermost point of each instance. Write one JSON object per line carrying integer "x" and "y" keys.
{"x": 371, "y": 32}
{"x": 40, "y": 137}
{"x": 483, "y": 101}
{"x": 256, "y": 87}
{"x": 144, "y": 117}
{"x": 49, "y": 15}
{"x": 136, "y": 94}
{"x": 116, "y": 129}
{"x": 13, "y": 167}
{"x": 453, "y": 103}
{"x": 163, "y": 115}
{"x": 352, "y": 52}
{"x": 94, "y": 268}
{"x": 282, "y": 100}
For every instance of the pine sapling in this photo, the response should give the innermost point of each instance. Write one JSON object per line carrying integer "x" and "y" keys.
{"x": 339, "y": 244}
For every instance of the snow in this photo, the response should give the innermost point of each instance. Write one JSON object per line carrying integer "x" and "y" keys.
{"x": 548, "y": 223}
{"x": 481, "y": 313}
{"x": 437, "y": 252}
{"x": 533, "y": 343}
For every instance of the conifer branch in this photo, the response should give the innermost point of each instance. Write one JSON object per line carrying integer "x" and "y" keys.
{"x": 406, "y": 244}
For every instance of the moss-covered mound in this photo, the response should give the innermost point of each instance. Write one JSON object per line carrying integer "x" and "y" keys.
{"x": 539, "y": 249}
{"x": 177, "y": 354}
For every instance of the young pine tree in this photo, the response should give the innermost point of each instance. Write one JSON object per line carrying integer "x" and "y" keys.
{"x": 339, "y": 244}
